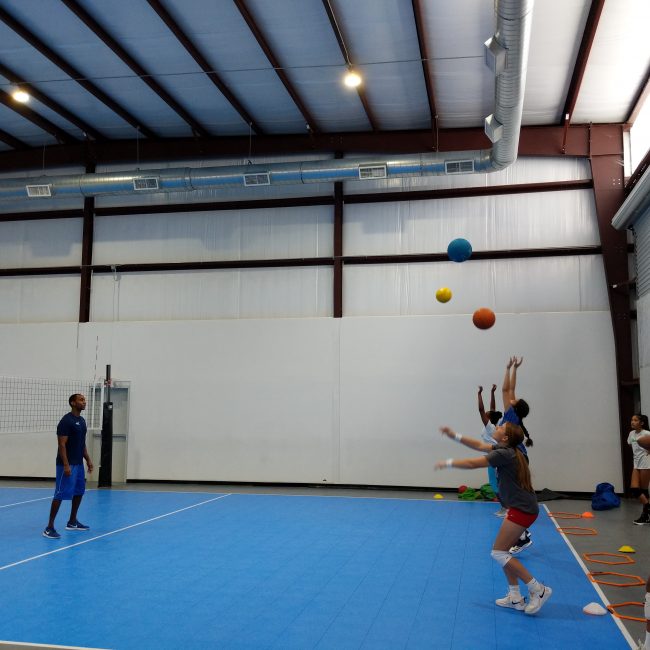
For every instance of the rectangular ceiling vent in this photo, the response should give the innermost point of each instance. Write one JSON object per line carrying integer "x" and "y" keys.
{"x": 370, "y": 172}
{"x": 147, "y": 183}
{"x": 37, "y": 191}
{"x": 459, "y": 167}
{"x": 261, "y": 178}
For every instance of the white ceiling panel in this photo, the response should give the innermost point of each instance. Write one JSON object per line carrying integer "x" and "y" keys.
{"x": 617, "y": 65}
{"x": 553, "y": 52}
{"x": 381, "y": 38}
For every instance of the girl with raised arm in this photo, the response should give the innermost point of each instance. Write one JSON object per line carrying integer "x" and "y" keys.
{"x": 517, "y": 495}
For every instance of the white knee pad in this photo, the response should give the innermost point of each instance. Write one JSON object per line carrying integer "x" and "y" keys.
{"x": 502, "y": 557}
{"x": 646, "y": 609}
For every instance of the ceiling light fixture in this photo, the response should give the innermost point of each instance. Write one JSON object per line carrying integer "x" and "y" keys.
{"x": 20, "y": 96}
{"x": 352, "y": 79}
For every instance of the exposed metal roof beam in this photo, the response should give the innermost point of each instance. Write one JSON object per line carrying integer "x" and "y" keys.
{"x": 588, "y": 36}
{"x": 9, "y": 139}
{"x": 257, "y": 33}
{"x": 533, "y": 141}
{"x": 72, "y": 72}
{"x": 62, "y": 136}
{"x": 426, "y": 69}
{"x": 194, "y": 52}
{"x": 126, "y": 58}
{"x": 639, "y": 99}
{"x": 338, "y": 32}
{"x": 50, "y": 103}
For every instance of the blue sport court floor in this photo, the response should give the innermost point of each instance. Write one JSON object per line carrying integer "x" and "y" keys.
{"x": 272, "y": 571}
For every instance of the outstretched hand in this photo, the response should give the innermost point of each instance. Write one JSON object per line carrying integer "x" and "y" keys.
{"x": 511, "y": 361}
{"x": 440, "y": 465}
{"x": 447, "y": 431}
{"x": 518, "y": 362}
{"x": 494, "y": 387}
{"x": 480, "y": 389}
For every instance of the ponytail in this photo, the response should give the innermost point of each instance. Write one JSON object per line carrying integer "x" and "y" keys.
{"x": 523, "y": 473}
{"x": 515, "y": 435}
{"x": 522, "y": 409}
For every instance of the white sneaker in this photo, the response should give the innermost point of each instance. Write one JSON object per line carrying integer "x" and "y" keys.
{"x": 537, "y": 599}
{"x": 507, "y": 601}
{"x": 501, "y": 512}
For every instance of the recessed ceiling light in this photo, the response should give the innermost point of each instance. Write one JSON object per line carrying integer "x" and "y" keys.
{"x": 352, "y": 79}
{"x": 20, "y": 96}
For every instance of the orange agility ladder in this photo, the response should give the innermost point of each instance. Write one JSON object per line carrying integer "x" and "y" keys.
{"x": 612, "y": 609}
{"x": 627, "y": 559}
{"x": 636, "y": 581}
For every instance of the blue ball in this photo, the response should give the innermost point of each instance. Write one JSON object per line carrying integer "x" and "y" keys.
{"x": 459, "y": 250}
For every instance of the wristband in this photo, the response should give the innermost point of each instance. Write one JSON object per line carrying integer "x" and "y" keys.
{"x": 449, "y": 462}
{"x": 458, "y": 437}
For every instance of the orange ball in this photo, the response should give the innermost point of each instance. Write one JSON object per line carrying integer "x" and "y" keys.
{"x": 484, "y": 318}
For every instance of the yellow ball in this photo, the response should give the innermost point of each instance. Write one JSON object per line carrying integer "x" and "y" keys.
{"x": 443, "y": 294}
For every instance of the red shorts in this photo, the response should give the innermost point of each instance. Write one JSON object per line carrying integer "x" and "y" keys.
{"x": 520, "y": 518}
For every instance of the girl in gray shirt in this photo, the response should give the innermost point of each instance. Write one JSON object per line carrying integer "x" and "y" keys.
{"x": 517, "y": 495}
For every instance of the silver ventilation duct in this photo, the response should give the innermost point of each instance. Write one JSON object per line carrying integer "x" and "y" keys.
{"x": 506, "y": 53}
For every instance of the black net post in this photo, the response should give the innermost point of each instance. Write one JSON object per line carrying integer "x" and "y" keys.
{"x": 106, "y": 458}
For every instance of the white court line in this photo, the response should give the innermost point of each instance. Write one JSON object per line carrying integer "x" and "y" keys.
{"x": 10, "y": 645}
{"x": 20, "y": 503}
{"x": 112, "y": 532}
{"x": 349, "y": 496}
{"x": 599, "y": 591}
{"x": 272, "y": 494}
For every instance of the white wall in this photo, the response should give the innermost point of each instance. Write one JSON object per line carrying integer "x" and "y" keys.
{"x": 352, "y": 401}
{"x": 243, "y": 375}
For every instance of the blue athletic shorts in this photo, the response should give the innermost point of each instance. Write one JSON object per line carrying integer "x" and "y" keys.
{"x": 69, "y": 486}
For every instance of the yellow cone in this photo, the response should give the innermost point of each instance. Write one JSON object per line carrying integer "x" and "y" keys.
{"x": 438, "y": 496}
{"x": 626, "y": 549}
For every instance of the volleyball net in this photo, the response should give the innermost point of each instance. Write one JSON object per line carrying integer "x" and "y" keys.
{"x": 29, "y": 405}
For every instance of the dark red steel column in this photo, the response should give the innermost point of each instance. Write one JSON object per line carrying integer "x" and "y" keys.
{"x": 609, "y": 193}
{"x": 338, "y": 250}
{"x": 86, "y": 254}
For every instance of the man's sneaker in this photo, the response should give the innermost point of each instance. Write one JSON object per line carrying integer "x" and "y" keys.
{"x": 50, "y": 533}
{"x": 76, "y": 525}
{"x": 507, "y": 601}
{"x": 521, "y": 544}
{"x": 643, "y": 519}
{"x": 537, "y": 599}
{"x": 501, "y": 512}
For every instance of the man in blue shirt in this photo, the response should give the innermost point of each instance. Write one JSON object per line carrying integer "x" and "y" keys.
{"x": 70, "y": 477}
